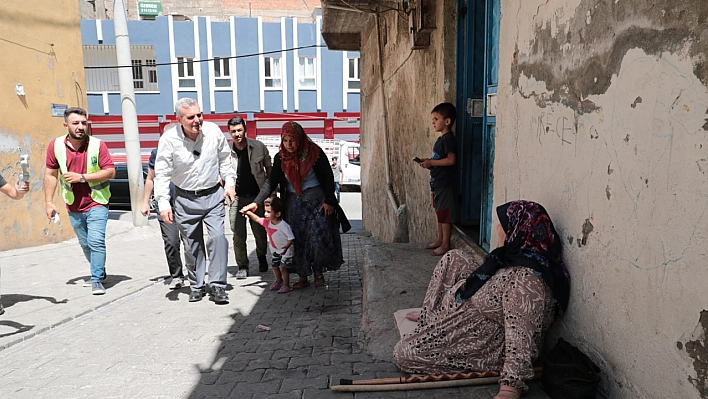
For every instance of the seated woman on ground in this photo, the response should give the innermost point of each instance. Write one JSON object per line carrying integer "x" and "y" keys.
{"x": 493, "y": 316}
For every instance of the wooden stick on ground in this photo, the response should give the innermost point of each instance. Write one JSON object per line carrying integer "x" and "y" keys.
{"x": 422, "y": 378}
{"x": 414, "y": 385}
{"x": 423, "y": 382}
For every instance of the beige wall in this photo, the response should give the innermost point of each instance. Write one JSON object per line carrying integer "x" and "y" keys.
{"x": 41, "y": 41}
{"x": 219, "y": 10}
{"x": 601, "y": 118}
{"x": 414, "y": 82}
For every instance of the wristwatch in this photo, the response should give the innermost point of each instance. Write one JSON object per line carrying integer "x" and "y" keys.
{"x": 82, "y": 179}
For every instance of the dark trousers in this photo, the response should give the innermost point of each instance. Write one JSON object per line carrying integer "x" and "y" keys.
{"x": 172, "y": 240}
{"x": 238, "y": 227}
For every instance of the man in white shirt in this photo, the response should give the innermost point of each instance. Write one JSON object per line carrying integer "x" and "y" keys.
{"x": 196, "y": 157}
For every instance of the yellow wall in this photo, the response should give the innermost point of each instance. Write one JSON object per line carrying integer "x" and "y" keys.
{"x": 41, "y": 44}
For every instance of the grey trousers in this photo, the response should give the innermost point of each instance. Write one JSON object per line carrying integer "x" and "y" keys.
{"x": 238, "y": 226}
{"x": 192, "y": 212}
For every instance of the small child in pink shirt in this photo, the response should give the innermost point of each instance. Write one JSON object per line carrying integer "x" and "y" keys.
{"x": 281, "y": 240}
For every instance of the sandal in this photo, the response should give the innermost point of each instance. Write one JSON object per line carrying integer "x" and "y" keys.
{"x": 300, "y": 284}
{"x": 275, "y": 286}
{"x": 319, "y": 280}
{"x": 284, "y": 289}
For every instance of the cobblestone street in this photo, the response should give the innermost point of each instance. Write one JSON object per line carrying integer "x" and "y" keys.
{"x": 143, "y": 340}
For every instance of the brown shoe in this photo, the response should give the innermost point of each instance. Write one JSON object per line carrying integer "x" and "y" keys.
{"x": 302, "y": 283}
{"x": 319, "y": 280}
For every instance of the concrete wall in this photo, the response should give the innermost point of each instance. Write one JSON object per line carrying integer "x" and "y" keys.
{"x": 219, "y": 10}
{"x": 42, "y": 41}
{"x": 414, "y": 82}
{"x": 602, "y": 118}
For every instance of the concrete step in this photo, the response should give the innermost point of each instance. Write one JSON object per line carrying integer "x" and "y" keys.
{"x": 394, "y": 277}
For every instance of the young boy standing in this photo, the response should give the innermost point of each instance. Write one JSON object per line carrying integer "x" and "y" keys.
{"x": 443, "y": 175}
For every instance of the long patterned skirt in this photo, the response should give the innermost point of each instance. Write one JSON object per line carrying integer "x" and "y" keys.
{"x": 318, "y": 246}
{"x": 501, "y": 327}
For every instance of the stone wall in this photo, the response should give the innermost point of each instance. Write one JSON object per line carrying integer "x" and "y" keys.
{"x": 43, "y": 39}
{"x": 602, "y": 119}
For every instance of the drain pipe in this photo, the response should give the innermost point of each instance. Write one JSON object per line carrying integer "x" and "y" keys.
{"x": 401, "y": 231}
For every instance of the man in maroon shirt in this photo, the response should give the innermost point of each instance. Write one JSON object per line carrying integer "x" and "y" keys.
{"x": 83, "y": 166}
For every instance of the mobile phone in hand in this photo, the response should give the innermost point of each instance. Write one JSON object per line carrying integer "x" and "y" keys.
{"x": 416, "y": 159}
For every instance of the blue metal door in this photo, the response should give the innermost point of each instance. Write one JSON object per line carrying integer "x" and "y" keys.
{"x": 478, "y": 65}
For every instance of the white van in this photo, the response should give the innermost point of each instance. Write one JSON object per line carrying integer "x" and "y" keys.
{"x": 346, "y": 151}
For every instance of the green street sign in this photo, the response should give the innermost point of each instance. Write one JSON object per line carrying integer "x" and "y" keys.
{"x": 149, "y": 8}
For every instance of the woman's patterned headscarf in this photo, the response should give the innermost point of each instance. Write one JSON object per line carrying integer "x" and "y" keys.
{"x": 531, "y": 241}
{"x": 297, "y": 164}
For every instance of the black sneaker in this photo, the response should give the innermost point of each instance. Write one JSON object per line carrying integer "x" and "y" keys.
{"x": 218, "y": 295}
{"x": 262, "y": 264}
{"x": 196, "y": 295}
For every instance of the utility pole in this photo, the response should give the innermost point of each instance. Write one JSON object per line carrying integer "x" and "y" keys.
{"x": 130, "y": 116}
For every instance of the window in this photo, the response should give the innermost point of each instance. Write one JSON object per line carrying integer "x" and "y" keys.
{"x": 222, "y": 72}
{"x": 353, "y": 155}
{"x": 143, "y": 67}
{"x": 185, "y": 71}
{"x": 138, "y": 82}
{"x": 306, "y": 72}
{"x": 151, "y": 67}
{"x": 353, "y": 81}
{"x": 272, "y": 72}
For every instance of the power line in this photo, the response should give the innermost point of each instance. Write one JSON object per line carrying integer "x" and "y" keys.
{"x": 211, "y": 59}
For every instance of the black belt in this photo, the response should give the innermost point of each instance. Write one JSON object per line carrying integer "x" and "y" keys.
{"x": 198, "y": 193}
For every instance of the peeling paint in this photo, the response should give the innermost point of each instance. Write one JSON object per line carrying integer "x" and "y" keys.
{"x": 609, "y": 169}
{"x": 637, "y": 100}
{"x": 608, "y": 193}
{"x": 588, "y": 55}
{"x": 695, "y": 347}
{"x": 587, "y": 229}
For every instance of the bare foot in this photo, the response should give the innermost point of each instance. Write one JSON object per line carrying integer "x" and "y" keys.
{"x": 412, "y": 316}
{"x": 507, "y": 392}
{"x": 439, "y": 251}
{"x": 433, "y": 245}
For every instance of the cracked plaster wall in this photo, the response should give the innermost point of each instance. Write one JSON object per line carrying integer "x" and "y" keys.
{"x": 603, "y": 118}
{"x": 415, "y": 81}
{"x": 42, "y": 43}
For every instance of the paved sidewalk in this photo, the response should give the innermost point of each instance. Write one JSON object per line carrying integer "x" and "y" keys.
{"x": 143, "y": 340}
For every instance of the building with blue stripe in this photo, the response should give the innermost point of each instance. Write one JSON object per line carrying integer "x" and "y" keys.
{"x": 244, "y": 65}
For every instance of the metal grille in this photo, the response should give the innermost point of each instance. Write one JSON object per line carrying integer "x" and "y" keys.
{"x": 106, "y": 79}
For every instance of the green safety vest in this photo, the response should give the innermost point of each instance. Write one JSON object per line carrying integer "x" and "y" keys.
{"x": 100, "y": 191}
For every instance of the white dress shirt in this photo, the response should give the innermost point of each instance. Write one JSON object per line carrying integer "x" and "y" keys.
{"x": 177, "y": 161}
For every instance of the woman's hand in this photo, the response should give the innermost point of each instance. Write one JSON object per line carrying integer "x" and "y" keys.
{"x": 328, "y": 209}
{"x": 250, "y": 207}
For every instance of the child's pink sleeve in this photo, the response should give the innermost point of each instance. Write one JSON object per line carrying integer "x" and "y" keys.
{"x": 263, "y": 222}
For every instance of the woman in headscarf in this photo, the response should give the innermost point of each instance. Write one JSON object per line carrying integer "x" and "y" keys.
{"x": 493, "y": 316}
{"x": 301, "y": 170}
